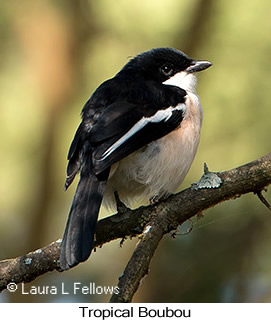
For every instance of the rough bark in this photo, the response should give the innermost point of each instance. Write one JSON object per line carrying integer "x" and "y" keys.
{"x": 151, "y": 222}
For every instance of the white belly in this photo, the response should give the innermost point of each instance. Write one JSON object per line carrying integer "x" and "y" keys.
{"x": 159, "y": 168}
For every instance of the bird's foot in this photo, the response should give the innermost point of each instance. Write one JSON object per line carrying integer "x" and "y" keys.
{"x": 154, "y": 199}
{"x": 158, "y": 198}
{"x": 121, "y": 207}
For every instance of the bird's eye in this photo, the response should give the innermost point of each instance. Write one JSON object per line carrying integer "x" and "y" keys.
{"x": 167, "y": 69}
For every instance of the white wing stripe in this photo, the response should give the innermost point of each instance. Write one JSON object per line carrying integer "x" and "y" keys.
{"x": 159, "y": 116}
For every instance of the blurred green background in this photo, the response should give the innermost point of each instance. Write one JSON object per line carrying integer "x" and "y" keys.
{"x": 53, "y": 54}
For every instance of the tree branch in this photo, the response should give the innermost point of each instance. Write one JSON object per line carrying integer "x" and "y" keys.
{"x": 157, "y": 219}
{"x": 252, "y": 177}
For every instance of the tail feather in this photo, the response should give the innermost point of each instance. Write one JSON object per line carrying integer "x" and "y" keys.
{"x": 78, "y": 237}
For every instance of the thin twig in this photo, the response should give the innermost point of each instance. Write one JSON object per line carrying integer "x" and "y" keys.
{"x": 172, "y": 212}
{"x": 138, "y": 264}
{"x": 263, "y": 199}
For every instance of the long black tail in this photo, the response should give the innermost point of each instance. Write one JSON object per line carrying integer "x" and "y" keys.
{"x": 77, "y": 241}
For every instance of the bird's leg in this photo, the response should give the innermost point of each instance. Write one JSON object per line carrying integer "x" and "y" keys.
{"x": 157, "y": 198}
{"x": 154, "y": 199}
{"x": 121, "y": 207}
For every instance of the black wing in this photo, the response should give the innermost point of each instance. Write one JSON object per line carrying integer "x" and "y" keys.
{"x": 124, "y": 128}
{"x": 118, "y": 120}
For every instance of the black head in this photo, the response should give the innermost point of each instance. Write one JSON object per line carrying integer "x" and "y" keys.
{"x": 161, "y": 64}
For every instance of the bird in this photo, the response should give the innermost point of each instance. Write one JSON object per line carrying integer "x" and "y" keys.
{"x": 137, "y": 139}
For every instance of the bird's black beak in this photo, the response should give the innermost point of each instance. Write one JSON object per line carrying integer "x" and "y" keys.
{"x": 197, "y": 66}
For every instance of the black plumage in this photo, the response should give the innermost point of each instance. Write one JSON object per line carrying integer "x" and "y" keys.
{"x": 117, "y": 106}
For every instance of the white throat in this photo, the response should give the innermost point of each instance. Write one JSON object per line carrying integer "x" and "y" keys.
{"x": 184, "y": 80}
